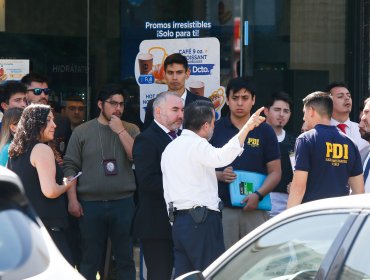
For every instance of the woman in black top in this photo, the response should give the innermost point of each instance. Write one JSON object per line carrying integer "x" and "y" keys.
{"x": 33, "y": 160}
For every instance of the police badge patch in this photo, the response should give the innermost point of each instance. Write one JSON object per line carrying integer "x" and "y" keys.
{"x": 110, "y": 167}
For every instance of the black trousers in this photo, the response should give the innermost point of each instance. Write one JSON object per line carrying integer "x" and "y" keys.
{"x": 159, "y": 259}
{"x": 60, "y": 239}
{"x": 74, "y": 241}
{"x": 196, "y": 245}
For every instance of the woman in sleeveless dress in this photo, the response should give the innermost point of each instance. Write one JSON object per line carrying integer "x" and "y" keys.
{"x": 33, "y": 160}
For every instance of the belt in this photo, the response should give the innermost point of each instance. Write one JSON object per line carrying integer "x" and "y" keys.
{"x": 187, "y": 211}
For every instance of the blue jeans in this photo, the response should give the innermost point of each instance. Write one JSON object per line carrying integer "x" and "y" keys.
{"x": 103, "y": 219}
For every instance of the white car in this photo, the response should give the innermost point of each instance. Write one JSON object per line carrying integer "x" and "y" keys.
{"x": 26, "y": 249}
{"x": 323, "y": 239}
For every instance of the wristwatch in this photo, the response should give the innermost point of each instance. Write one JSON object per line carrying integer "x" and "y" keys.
{"x": 260, "y": 196}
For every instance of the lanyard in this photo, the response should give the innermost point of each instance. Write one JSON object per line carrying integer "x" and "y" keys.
{"x": 101, "y": 144}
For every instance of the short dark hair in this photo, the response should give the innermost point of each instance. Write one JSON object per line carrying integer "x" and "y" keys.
{"x": 34, "y": 77}
{"x": 332, "y": 85}
{"x": 197, "y": 114}
{"x": 74, "y": 98}
{"x": 279, "y": 96}
{"x": 10, "y": 88}
{"x": 111, "y": 89}
{"x": 321, "y": 102}
{"x": 177, "y": 58}
{"x": 239, "y": 83}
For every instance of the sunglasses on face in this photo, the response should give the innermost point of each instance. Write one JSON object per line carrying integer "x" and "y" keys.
{"x": 38, "y": 91}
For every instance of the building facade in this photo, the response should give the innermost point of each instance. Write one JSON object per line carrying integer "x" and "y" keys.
{"x": 295, "y": 46}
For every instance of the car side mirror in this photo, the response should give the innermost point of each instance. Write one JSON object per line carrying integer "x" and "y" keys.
{"x": 193, "y": 275}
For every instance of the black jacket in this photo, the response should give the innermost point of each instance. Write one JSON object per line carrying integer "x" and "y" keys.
{"x": 151, "y": 218}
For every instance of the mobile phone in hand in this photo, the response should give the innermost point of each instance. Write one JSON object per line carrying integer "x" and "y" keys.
{"x": 74, "y": 177}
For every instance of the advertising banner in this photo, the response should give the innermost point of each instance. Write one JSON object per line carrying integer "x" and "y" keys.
{"x": 13, "y": 69}
{"x": 203, "y": 55}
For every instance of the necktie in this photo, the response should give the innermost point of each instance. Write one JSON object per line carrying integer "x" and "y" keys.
{"x": 342, "y": 127}
{"x": 366, "y": 171}
{"x": 172, "y": 134}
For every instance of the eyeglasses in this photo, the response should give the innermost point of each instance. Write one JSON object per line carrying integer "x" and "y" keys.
{"x": 38, "y": 91}
{"x": 115, "y": 104}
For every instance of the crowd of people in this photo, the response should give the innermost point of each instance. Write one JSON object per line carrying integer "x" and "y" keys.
{"x": 167, "y": 186}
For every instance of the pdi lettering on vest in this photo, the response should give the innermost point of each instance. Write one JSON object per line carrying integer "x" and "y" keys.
{"x": 336, "y": 151}
{"x": 253, "y": 142}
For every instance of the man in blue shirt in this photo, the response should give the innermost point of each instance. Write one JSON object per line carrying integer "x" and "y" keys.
{"x": 261, "y": 154}
{"x": 327, "y": 161}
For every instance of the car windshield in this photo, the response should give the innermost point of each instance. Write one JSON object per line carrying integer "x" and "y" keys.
{"x": 23, "y": 252}
{"x": 294, "y": 249}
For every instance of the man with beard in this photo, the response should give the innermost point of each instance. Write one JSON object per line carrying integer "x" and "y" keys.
{"x": 190, "y": 186}
{"x": 103, "y": 197}
{"x": 342, "y": 106}
{"x": 327, "y": 162}
{"x": 151, "y": 222}
{"x": 37, "y": 88}
{"x": 365, "y": 134}
{"x": 278, "y": 110}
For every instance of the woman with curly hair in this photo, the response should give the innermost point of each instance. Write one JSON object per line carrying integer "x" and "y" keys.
{"x": 31, "y": 158}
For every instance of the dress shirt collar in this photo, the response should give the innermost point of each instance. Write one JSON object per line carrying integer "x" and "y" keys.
{"x": 335, "y": 122}
{"x": 350, "y": 126}
{"x": 165, "y": 129}
{"x": 189, "y": 132}
{"x": 183, "y": 96}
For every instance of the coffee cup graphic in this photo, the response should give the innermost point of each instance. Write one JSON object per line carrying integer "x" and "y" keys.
{"x": 145, "y": 63}
{"x": 218, "y": 98}
{"x": 197, "y": 87}
{"x": 159, "y": 56}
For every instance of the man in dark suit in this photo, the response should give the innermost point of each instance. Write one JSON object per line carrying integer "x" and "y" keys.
{"x": 151, "y": 222}
{"x": 176, "y": 71}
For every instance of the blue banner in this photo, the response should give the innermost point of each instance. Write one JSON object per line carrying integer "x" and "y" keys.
{"x": 146, "y": 79}
{"x": 201, "y": 69}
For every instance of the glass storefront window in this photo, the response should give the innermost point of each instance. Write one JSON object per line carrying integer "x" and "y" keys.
{"x": 295, "y": 46}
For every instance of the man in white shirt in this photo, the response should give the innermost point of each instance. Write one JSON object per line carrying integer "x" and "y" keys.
{"x": 342, "y": 106}
{"x": 190, "y": 186}
{"x": 365, "y": 134}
